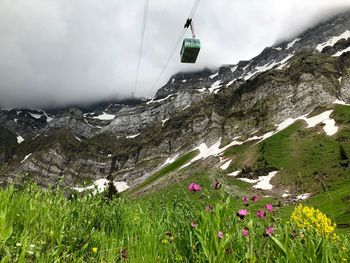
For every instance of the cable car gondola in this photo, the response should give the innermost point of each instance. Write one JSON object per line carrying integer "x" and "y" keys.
{"x": 190, "y": 46}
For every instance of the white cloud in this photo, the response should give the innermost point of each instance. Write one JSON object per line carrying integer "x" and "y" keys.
{"x": 67, "y": 51}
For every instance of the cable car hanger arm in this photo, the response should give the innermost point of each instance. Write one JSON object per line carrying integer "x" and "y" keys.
{"x": 189, "y": 23}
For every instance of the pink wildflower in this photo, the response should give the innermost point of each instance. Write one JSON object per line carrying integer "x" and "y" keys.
{"x": 220, "y": 235}
{"x": 260, "y": 213}
{"x": 193, "y": 224}
{"x": 242, "y": 213}
{"x": 269, "y": 231}
{"x": 269, "y": 207}
{"x": 245, "y": 232}
{"x": 245, "y": 199}
{"x": 194, "y": 187}
{"x": 209, "y": 208}
{"x": 255, "y": 198}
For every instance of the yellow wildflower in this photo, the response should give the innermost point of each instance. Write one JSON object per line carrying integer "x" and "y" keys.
{"x": 94, "y": 250}
{"x": 313, "y": 219}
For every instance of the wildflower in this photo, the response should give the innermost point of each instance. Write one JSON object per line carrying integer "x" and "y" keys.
{"x": 220, "y": 234}
{"x": 209, "y": 208}
{"x": 216, "y": 185}
{"x": 18, "y": 244}
{"x": 312, "y": 219}
{"x": 260, "y": 213}
{"x": 245, "y": 199}
{"x": 269, "y": 231}
{"x": 94, "y": 250}
{"x": 193, "y": 224}
{"x": 242, "y": 213}
{"x": 165, "y": 241}
{"x": 169, "y": 236}
{"x": 124, "y": 253}
{"x": 136, "y": 220}
{"x": 245, "y": 232}
{"x": 269, "y": 207}
{"x": 255, "y": 198}
{"x": 194, "y": 187}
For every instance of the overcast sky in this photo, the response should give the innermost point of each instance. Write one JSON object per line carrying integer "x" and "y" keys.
{"x": 55, "y": 52}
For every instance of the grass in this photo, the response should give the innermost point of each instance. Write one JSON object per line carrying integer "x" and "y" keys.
{"x": 308, "y": 161}
{"x": 179, "y": 162}
{"x": 38, "y": 225}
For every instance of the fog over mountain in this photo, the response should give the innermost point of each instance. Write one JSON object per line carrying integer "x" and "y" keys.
{"x": 61, "y": 52}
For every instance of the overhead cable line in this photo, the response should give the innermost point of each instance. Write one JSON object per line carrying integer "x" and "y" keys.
{"x": 141, "y": 44}
{"x": 193, "y": 11}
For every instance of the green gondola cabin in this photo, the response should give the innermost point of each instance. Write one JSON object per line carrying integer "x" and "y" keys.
{"x": 190, "y": 49}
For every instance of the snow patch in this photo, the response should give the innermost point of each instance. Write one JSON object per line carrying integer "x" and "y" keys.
{"x": 160, "y": 100}
{"x": 101, "y": 185}
{"x": 184, "y": 108}
{"x": 215, "y": 85}
{"x": 303, "y": 196}
{"x": 36, "y": 136}
{"x": 226, "y": 165}
{"x": 291, "y": 44}
{"x": 35, "y": 116}
{"x": 213, "y": 150}
{"x": 235, "y": 173}
{"x": 230, "y": 83}
{"x": 333, "y": 40}
{"x": 339, "y": 53}
{"x": 329, "y": 125}
{"x": 284, "y": 61}
{"x": 15, "y": 120}
{"x": 250, "y": 181}
{"x": 184, "y": 80}
{"x": 202, "y": 89}
{"x": 268, "y": 66}
{"x": 263, "y": 182}
{"x": 340, "y": 102}
{"x": 104, "y": 117}
{"x": 164, "y": 121}
{"x": 19, "y": 139}
{"x": 26, "y": 157}
{"x": 285, "y": 194}
{"x": 170, "y": 160}
{"x": 214, "y": 75}
{"x": 132, "y": 136}
{"x": 234, "y": 68}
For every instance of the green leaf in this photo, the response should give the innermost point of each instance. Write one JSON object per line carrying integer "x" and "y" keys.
{"x": 6, "y": 233}
{"x": 319, "y": 251}
{"x": 280, "y": 246}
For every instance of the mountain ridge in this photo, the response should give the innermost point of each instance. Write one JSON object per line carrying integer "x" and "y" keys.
{"x": 131, "y": 142}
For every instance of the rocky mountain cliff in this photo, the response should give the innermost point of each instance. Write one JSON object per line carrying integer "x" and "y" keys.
{"x": 131, "y": 142}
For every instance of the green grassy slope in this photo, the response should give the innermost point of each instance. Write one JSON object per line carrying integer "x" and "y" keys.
{"x": 166, "y": 170}
{"x": 309, "y": 161}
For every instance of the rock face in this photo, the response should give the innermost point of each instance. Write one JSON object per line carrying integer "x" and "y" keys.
{"x": 130, "y": 142}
